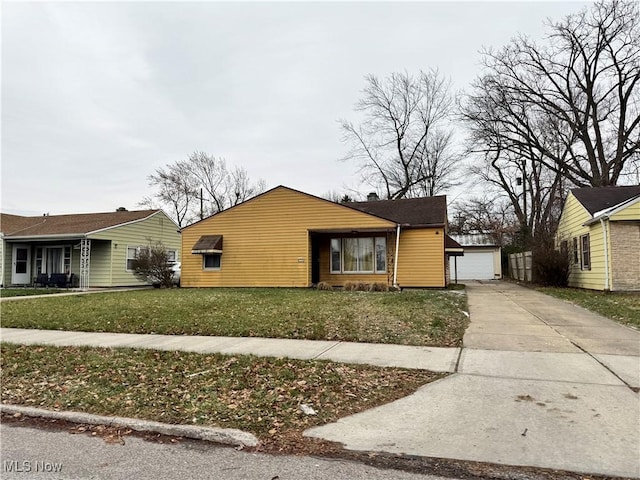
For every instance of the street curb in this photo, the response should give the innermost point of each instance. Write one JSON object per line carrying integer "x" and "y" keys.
{"x": 226, "y": 436}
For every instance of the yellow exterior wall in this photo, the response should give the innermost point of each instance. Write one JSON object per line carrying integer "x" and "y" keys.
{"x": 109, "y": 258}
{"x": 632, "y": 212}
{"x": 574, "y": 215}
{"x": 266, "y": 239}
{"x": 421, "y": 258}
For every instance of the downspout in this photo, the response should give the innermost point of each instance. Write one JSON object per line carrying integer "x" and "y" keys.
{"x": 4, "y": 252}
{"x": 395, "y": 261}
{"x": 606, "y": 255}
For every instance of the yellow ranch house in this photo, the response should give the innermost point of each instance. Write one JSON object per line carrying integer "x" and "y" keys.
{"x": 599, "y": 230}
{"x": 287, "y": 238}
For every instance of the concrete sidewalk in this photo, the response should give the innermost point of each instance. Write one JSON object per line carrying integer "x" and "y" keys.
{"x": 540, "y": 383}
{"x": 425, "y": 358}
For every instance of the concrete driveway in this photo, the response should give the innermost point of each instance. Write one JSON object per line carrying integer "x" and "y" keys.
{"x": 539, "y": 382}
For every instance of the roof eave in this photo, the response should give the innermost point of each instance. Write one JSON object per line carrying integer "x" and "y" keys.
{"x": 607, "y": 213}
{"x": 59, "y": 236}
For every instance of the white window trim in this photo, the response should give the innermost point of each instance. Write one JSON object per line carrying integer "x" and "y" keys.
{"x": 126, "y": 256}
{"x": 211, "y": 269}
{"x": 342, "y": 271}
{"x": 583, "y": 266}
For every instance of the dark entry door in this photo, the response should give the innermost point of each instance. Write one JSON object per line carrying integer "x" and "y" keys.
{"x": 315, "y": 260}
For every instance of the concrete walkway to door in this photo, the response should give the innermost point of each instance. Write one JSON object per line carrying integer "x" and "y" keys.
{"x": 540, "y": 382}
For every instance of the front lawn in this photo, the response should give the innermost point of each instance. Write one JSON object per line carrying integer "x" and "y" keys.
{"x": 23, "y": 292}
{"x": 255, "y": 394}
{"x": 621, "y": 307}
{"x": 432, "y": 318}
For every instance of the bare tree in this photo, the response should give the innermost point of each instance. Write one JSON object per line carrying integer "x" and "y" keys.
{"x": 174, "y": 190}
{"x": 223, "y": 188}
{"x": 200, "y": 185}
{"x": 402, "y": 146}
{"x": 489, "y": 215}
{"x": 583, "y": 84}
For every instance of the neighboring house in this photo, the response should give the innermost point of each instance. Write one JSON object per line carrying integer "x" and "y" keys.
{"x": 89, "y": 250}
{"x": 287, "y": 238}
{"x": 482, "y": 258}
{"x": 599, "y": 230}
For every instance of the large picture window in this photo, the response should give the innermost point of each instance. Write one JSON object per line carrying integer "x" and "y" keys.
{"x": 359, "y": 255}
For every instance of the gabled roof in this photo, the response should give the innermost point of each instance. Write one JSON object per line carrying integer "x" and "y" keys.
{"x": 414, "y": 212}
{"x": 74, "y": 224}
{"x": 596, "y": 199}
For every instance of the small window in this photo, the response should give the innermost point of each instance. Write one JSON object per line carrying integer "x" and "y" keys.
{"x": 381, "y": 255}
{"x": 211, "y": 261}
{"x": 586, "y": 252}
{"x": 575, "y": 251}
{"x": 171, "y": 256}
{"x": 131, "y": 256}
{"x": 336, "y": 255}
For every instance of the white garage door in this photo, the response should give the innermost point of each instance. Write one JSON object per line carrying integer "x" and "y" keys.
{"x": 473, "y": 266}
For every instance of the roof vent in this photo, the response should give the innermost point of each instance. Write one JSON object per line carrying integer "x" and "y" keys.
{"x": 372, "y": 197}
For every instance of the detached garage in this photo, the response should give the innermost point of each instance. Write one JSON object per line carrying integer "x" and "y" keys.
{"x": 481, "y": 260}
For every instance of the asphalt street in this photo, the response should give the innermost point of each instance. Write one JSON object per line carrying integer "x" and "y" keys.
{"x": 29, "y": 453}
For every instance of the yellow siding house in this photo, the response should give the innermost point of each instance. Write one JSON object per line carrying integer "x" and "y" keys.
{"x": 287, "y": 238}
{"x": 599, "y": 230}
{"x": 81, "y": 250}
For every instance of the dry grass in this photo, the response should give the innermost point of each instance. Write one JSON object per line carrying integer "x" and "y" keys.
{"x": 256, "y": 394}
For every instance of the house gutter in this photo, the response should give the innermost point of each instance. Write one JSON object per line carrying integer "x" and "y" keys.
{"x": 606, "y": 254}
{"x": 395, "y": 261}
{"x": 4, "y": 247}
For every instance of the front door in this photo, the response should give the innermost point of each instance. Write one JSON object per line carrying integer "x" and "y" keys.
{"x": 21, "y": 269}
{"x": 315, "y": 260}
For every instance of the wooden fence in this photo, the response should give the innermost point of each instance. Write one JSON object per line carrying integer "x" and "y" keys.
{"x": 521, "y": 266}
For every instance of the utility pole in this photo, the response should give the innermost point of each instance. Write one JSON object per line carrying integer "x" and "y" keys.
{"x": 201, "y": 205}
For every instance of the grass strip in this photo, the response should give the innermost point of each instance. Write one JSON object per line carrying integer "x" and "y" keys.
{"x": 623, "y": 307}
{"x": 256, "y": 394}
{"x": 430, "y": 318}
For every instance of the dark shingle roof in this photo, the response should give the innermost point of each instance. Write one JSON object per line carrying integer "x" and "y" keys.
{"x": 409, "y": 211}
{"x": 595, "y": 199}
{"x": 75, "y": 224}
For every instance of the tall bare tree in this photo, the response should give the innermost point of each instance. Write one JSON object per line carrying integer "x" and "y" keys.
{"x": 546, "y": 117}
{"x": 403, "y": 146}
{"x": 223, "y": 188}
{"x": 584, "y": 81}
{"x": 200, "y": 185}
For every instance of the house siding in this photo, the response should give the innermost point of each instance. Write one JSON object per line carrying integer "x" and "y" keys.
{"x": 266, "y": 240}
{"x": 630, "y": 213}
{"x": 570, "y": 226}
{"x": 421, "y": 258}
{"x": 109, "y": 249}
{"x": 625, "y": 260}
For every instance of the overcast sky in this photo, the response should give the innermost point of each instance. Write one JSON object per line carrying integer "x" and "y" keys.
{"x": 96, "y": 96}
